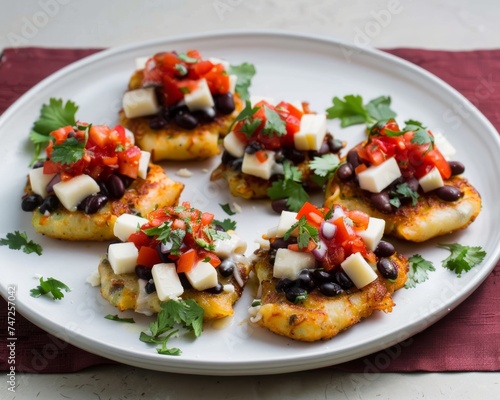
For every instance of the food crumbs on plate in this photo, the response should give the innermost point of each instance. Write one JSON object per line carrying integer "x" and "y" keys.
{"x": 184, "y": 172}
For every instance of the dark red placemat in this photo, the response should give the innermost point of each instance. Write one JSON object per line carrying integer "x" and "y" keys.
{"x": 468, "y": 339}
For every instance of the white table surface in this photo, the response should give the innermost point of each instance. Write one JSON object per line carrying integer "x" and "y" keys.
{"x": 438, "y": 24}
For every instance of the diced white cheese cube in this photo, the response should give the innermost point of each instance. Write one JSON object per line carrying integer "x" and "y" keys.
{"x": 311, "y": 133}
{"x": 257, "y": 99}
{"x": 224, "y": 248}
{"x": 39, "y": 181}
{"x": 289, "y": 263}
{"x": 126, "y": 224}
{"x": 253, "y": 166}
{"x": 202, "y": 276}
{"x": 373, "y": 233}
{"x": 140, "y": 62}
{"x": 233, "y": 145}
{"x": 233, "y": 79}
{"x": 444, "y": 146}
{"x": 432, "y": 180}
{"x": 122, "y": 257}
{"x": 130, "y": 135}
{"x": 358, "y": 270}
{"x": 378, "y": 177}
{"x": 71, "y": 192}
{"x": 200, "y": 97}
{"x": 271, "y": 232}
{"x": 144, "y": 164}
{"x": 167, "y": 283}
{"x": 140, "y": 103}
{"x": 287, "y": 219}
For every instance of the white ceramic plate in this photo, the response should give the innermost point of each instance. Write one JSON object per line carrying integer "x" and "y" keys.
{"x": 290, "y": 67}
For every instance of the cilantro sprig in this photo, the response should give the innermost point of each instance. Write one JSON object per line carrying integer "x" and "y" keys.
{"x": 462, "y": 258}
{"x": 305, "y": 232}
{"x": 403, "y": 191}
{"x": 324, "y": 167}
{"x": 175, "y": 314}
{"x": 119, "y": 319}
{"x": 418, "y": 270}
{"x": 274, "y": 125}
{"x": 290, "y": 187}
{"x": 50, "y": 287}
{"x": 53, "y": 115}
{"x": 244, "y": 72}
{"x": 227, "y": 224}
{"x": 19, "y": 241}
{"x": 351, "y": 110}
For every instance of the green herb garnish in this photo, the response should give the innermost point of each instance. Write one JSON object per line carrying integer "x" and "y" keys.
{"x": 227, "y": 224}
{"x": 19, "y": 241}
{"x": 244, "y": 73}
{"x": 462, "y": 258}
{"x": 290, "y": 187}
{"x": 175, "y": 314}
{"x": 50, "y": 286}
{"x": 418, "y": 271}
{"x": 351, "y": 110}
{"x": 118, "y": 319}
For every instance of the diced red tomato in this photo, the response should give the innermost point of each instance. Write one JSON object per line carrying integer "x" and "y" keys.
{"x": 140, "y": 239}
{"x": 344, "y": 231}
{"x": 313, "y": 214}
{"x": 213, "y": 259}
{"x": 359, "y": 218}
{"x": 128, "y": 161}
{"x": 200, "y": 69}
{"x": 206, "y": 218}
{"x": 187, "y": 261}
{"x": 171, "y": 92}
{"x": 148, "y": 257}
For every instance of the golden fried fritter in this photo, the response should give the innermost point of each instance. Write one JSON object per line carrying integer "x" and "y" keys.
{"x": 319, "y": 317}
{"x": 143, "y": 196}
{"x": 430, "y": 217}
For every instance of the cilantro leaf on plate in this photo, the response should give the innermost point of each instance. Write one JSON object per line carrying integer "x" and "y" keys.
{"x": 351, "y": 110}
{"x": 175, "y": 314}
{"x": 50, "y": 286}
{"x": 245, "y": 72}
{"x": 462, "y": 258}
{"x": 418, "y": 271}
{"x": 53, "y": 115}
{"x": 118, "y": 319}
{"x": 227, "y": 209}
{"x": 19, "y": 241}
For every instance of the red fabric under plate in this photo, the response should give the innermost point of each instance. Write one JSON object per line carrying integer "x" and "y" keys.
{"x": 468, "y": 339}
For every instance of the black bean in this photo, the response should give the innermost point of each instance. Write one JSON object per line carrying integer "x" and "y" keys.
{"x": 186, "y": 121}
{"x": 93, "y": 203}
{"x": 227, "y": 157}
{"x": 253, "y": 147}
{"x": 306, "y": 281}
{"x": 177, "y": 109}
{"x": 387, "y": 268}
{"x": 150, "y": 287}
{"x": 280, "y": 243}
{"x": 295, "y": 294}
{"x": 165, "y": 114}
{"x": 353, "y": 158}
{"x": 164, "y": 255}
{"x": 457, "y": 167}
{"x": 49, "y": 204}
{"x": 115, "y": 187}
{"x": 236, "y": 164}
{"x": 381, "y": 202}
{"x": 284, "y": 284}
{"x": 294, "y": 155}
{"x": 127, "y": 180}
{"x": 157, "y": 123}
{"x": 71, "y": 134}
{"x": 279, "y": 205}
{"x": 384, "y": 249}
{"x": 324, "y": 149}
{"x": 345, "y": 171}
{"x": 448, "y": 193}
{"x": 103, "y": 189}
{"x": 225, "y": 103}
{"x": 205, "y": 115}
{"x": 342, "y": 279}
{"x": 185, "y": 281}
{"x": 412, "y": 183}
{"x": 330, "y": 289}
{"x": 31, "y": 202}
{"x": 143, "y": 272}
{"x": 321, "y": 276}
{"x": 335, "y": 145}
{"x": 226, "y": 267}
{"x": 219, "y": 288}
